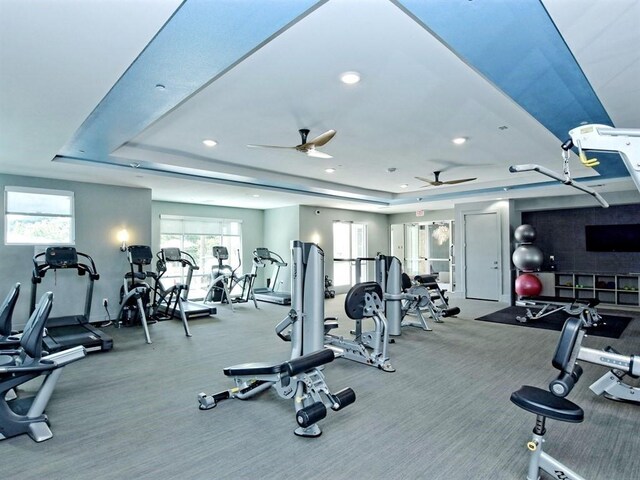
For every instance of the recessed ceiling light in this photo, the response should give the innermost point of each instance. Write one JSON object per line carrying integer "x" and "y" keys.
{"x": 329, "y": 170}
{"x": 350, "y": 78}
{"x": 255, "y": 195}
{"x": 459, "y": 140}
{"x": 391, "y": 169}
{"x": 210, "y": 143}
{"x": 503, "y": 127}
{"x": 404, "y": 185}
{"x": 159, "y": 86}
{"x": 134, "y": 165}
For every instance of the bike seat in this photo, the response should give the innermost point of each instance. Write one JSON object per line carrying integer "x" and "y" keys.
{"x": 545, "y": 403}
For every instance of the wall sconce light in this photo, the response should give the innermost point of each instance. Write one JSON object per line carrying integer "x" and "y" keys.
{"x": 123, "y": 238}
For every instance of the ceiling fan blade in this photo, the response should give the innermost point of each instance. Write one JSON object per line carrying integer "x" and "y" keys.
{"x": 426, "y": 180}
{"x": 320, "y": 140}
{"x": 312, "y": 152}
{"x": 462, "y": 180}
{"x": 268, "y": 146}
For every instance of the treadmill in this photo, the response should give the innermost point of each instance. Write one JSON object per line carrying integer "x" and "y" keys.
{"x": 71, "y": 330}
{"x": 190, "y": 308}
{"x": 262, "y": 255}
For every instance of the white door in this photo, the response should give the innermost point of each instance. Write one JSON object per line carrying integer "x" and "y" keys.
{"x": 397, "y": 241}
{"x": 482, "y": 254}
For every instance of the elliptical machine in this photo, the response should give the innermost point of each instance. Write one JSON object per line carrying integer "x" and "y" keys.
{"x": 224, "y": 280}
{"x": 140, "y": 303}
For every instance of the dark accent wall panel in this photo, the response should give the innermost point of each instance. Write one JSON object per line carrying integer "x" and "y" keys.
{"x": 561, "y": 233}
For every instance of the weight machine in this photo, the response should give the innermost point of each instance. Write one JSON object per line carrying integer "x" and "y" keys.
{"x": 301, "y": 377}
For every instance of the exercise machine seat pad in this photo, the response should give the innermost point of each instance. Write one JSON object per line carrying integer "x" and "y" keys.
{"x": 545, "y": 403}
{"x": 254, "y": 368}
{"x": 354, "y": 302}
{"x": 566, "y": 343}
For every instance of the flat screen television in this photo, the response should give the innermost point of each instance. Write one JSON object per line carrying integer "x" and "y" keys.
{"x": 613, "y": 238}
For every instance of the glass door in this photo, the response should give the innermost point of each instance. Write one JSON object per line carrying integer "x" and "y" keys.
{"x": 439, "y": 242}
{"x": 349, "y": 243}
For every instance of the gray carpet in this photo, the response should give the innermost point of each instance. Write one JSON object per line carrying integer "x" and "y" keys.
{"x": 445, "y": 413}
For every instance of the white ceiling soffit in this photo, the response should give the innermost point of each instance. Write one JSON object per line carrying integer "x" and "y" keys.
{"x": 418, "y": 91}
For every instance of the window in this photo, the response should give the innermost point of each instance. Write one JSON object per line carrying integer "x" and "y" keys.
{"x": 35, "y": 216}
{"x": 197, "y": 236}
{"x": 349, "y": 243}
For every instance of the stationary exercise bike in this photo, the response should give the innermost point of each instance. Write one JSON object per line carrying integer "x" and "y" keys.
{"x": 553, "y": 404}
{"x": 300, "y": 378}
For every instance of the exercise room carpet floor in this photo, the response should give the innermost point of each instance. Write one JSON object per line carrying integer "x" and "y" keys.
{"x": 444, "y": 414}
{"x": 611, "y": 327}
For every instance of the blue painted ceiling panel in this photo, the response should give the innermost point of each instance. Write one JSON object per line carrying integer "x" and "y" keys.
{"x": 201, "y": 41}
{"x": 518, "y": 48}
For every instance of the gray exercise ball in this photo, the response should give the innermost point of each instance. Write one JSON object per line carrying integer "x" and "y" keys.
{"x": 527, "y": 258}
{"x": 525, "y": 233}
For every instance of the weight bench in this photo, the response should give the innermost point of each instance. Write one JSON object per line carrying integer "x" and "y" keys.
{"x": 299, "y": 378}
{"x": 438, "y": 304}
{"x": 585, "y": 308}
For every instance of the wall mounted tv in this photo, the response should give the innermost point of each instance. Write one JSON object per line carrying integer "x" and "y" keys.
{"x": 613, "y": 238}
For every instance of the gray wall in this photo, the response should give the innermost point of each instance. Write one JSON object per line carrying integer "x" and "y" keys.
{"x": 281, "y": 226}
{"x": 252, "y": 224}
{"x": 100, "y": 212}
{"x": 319, "y": 229}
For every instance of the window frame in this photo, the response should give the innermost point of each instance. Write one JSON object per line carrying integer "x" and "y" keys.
{"x": 68, "y": 194}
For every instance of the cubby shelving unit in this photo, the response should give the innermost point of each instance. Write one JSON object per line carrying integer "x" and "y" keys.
{"x": 610, "y": 288}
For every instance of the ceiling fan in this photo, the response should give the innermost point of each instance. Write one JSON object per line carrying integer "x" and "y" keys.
{"x": 437, "y": 182}
{"x": 308, "y": 147}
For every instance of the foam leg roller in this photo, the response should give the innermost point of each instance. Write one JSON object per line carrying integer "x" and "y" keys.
{"x": 344, "y": 398}
{"x": 311, "y": 414}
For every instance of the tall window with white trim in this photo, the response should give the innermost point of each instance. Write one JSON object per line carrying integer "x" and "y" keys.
{"x": 197, "y": 236}
{"x": 37, "y": 216}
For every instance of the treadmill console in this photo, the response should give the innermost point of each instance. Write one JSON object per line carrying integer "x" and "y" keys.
{"x": 140, "y": 254}
{"x": 263, "y": 253}
{"x": 61, "y": 257}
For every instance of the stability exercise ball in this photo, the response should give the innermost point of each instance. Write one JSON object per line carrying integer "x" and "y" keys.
{"x": 527, "y": 258}
{"x": 525, "y": 234}
{"x": 528, "y": 285}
